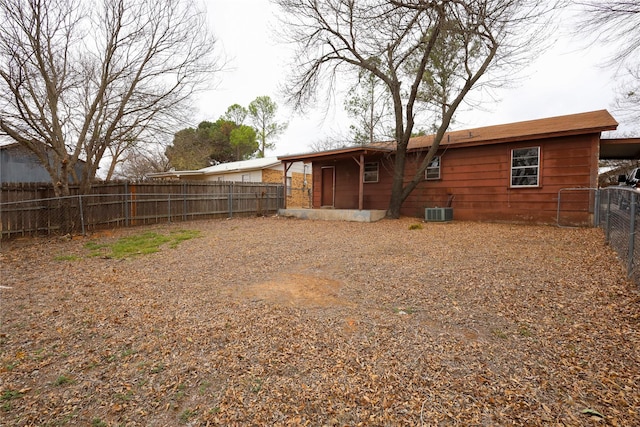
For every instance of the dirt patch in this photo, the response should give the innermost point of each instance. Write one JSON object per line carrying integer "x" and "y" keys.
{"x": 297, "y": 290}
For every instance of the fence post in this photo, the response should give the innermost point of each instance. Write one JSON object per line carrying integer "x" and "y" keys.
{"x": 230, "y": 199}
{"x": 596, "y": 216}
{"x": 81, "y": 213}
{"x": 632, "y": 226}
{"x": 184, "y": 201}
{"x": 607, "y": 231}
{"x": 126, "y": 203}
{"x": 283, "y": 197}
{"x": 558, "y": 209}
{"x": 169, "y": 206}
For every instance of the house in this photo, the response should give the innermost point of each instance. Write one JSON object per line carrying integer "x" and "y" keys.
{"x": 19, "y": 165}
{"x": 265, "y": 170}
{"x": 511, "y": 172}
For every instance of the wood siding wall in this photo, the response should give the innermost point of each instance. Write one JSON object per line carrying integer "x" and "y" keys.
{"x": 478, "y": 179}
{"x": 347, "y": 175}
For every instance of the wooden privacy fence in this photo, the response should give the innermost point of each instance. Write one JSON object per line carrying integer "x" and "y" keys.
{"x": 30, "y": 209}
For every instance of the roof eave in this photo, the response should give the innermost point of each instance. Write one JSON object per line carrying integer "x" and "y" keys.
{"x": 238, "y": 169}
{"x": 520, "y": 138}
{"x": 334, "y": 154}
{"x": 174, "y": 174}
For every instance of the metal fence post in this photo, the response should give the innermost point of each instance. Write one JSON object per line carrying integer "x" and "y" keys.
{"x": 632, "y": 226}
{"x": 607, "y": 231}
{"x": 596, "y": 214}
{"x": 558, "y": 208}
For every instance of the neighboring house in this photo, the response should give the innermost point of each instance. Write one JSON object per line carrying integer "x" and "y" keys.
{"x": 265, "y": 170}
{"x": 18, "y": 164}
{"x": 510, "y": 172}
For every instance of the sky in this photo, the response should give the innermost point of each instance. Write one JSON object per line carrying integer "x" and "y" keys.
{"x": 569, "y": 78}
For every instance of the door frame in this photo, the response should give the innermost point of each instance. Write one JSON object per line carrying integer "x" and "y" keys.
{"x": 333, "y": 186}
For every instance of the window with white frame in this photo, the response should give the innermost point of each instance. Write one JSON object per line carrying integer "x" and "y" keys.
{"x": 246, "y": 177}
{"x": 433, "y": 170}
{"x": 289, "y": 183}
{"x": 525, "y": 167}
{"x": 371, "y": 172}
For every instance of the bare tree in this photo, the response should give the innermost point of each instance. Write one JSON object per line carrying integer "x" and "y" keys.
{"x": 368, "y": 103}
{"x": 329, "y": 143}
{"x": 627, "y": 102}
{"x": 138, "y": 163}
{"x": 336, "y": 36}
{"x": 616, "y": 23}
{"x": 79, "y": 77}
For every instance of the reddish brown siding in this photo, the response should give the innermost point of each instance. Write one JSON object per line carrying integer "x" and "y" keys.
{"x": 478, "y": 178}
{"x": 347, "y": 176}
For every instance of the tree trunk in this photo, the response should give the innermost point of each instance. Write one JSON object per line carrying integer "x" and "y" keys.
{"x": 63, "y": 203}
{"x": 111, "y": 171}
{"x": 395, "y": 203}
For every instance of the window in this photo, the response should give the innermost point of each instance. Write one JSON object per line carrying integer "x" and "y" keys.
{"x": 433, "y": 170}
{"x": 525, "y": 167}
{"x": 371, "y": 172}
{"x": 246, "y": 177}
{"x": 289, "y": 182}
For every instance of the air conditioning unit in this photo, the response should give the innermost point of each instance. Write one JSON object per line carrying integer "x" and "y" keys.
{"x": 438, "y": 214}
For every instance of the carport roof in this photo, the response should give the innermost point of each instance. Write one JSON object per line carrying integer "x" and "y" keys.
{"x": 620, "y": 149}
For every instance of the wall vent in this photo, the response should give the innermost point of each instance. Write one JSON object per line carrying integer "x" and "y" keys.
{"x": 438, "y": 214}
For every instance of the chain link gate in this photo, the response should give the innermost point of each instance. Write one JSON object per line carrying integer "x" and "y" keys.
{"x": 577, "y": 207}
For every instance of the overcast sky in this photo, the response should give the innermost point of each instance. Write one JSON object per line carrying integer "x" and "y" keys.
{"x": 567, "y": 79}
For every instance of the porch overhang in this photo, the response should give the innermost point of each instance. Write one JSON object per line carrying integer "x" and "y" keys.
{"x": 340, "y": 153}
{"x": 358, "y": 154}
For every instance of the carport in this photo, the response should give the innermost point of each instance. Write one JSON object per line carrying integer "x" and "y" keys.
{"x": 620, "y": 149}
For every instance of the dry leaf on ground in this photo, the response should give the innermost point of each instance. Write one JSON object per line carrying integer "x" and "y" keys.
{"x": 272, "y": 321}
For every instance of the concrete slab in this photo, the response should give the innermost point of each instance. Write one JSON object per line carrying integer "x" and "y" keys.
{"x": 334, "y": 214}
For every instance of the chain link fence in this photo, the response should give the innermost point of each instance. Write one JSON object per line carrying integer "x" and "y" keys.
{"x": 618, "y": 215}
{"x": 84, "y": 213}
{"x": 576, "y": 207}
{"x": 617, "y": 210}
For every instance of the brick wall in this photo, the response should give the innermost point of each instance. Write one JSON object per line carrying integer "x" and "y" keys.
{"x": 299, "y": 194}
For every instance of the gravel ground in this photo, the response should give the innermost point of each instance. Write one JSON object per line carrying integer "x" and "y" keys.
{"x": 273, "y": 321}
